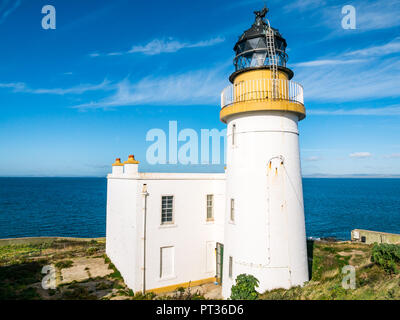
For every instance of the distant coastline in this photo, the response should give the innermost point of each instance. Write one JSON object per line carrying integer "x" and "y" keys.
{"x": 354, "y": 176}
{"x": 314, "y": 175}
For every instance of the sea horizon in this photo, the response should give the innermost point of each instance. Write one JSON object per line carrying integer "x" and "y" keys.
{"x": 313, "y": 176}
{"x": 76, "y": 206}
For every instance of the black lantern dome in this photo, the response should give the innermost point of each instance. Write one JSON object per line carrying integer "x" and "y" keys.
{"x": 252, "y": 51}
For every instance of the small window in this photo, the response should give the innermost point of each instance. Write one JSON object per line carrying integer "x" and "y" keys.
{"x": 167, "y": 209}
{"x": 210, "y": 207}
{"x": 232, "y": 209}
{"x": 230, "y": 267}
{"x": 363, "y": 239}
{"x": 233, "y": 134}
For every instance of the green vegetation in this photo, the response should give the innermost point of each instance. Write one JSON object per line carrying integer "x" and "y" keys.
{"x": 375, "y": 267}
{"x": 245, "y": 288}
{"x": 64, "y": 264}
{"x": 377, "y": 273}
{"x": 387, "y": 256}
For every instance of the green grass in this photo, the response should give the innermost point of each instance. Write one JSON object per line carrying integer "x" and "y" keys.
{"x": 376, "y": 278}
{"x": 373, "y": 281}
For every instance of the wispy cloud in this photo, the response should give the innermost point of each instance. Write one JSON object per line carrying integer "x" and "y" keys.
{"x": 385, "y": 111}
{"x": 393, "y": 156}
{"x": 304, "y": 5}
{"x": 158, "y": 46}
{"x": 377, "y": 14}
{"x": 350, "y": 82}
{"x": 360, "y": 155}
{"x": 191, "y": 88}
{"x": 17, "y": 86}
{"x": 79, "y": 89}
{"x": 313, "y": 158}
{"x": 327, "y": 62}
{"x": 382, "y": 50}
{"x": 7, "y": 7}
{"x": 370, "y": 15}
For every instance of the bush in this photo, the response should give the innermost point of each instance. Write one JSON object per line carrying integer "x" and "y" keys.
{"x": 92, "y": 250}
{"x": 64, "y": 264}
{"x": 387, "y": 256}
{"x": 245, "y": 288}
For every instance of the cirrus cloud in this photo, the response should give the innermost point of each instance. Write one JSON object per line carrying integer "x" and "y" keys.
{"x": 360, "y": 155}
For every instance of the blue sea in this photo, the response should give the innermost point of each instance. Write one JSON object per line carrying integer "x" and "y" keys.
{"x": 76, "y": 207}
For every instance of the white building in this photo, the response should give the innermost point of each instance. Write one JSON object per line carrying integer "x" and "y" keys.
{"x": 166, "y": 230}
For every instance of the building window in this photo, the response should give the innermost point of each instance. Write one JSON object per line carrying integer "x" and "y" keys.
{"x": 232, "y": 209}
{"x": 167, "y": 209}
{"x": 233, "y": 134}
{"x": 167, "y": 262}
{"x": 230, "y": 267}
{"x": 210, "y": 207}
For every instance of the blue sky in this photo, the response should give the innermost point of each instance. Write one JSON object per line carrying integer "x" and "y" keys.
{"x": 74, "y": 98}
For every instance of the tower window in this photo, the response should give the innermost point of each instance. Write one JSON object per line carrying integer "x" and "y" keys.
{"x": 167, "y": 209}
{"x": 210, "y": 207}
{"x": 232, "y": 209}
{"x": 230, "y": 267}
{"x": 233, "y": 134}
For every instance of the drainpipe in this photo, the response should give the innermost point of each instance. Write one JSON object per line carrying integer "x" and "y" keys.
{"x": 145, "y": 194}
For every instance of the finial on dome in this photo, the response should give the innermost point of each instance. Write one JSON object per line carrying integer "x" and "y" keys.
{"x": 260, "y": 15}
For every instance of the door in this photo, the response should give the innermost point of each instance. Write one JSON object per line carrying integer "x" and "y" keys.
{"x": 219, "y": 260}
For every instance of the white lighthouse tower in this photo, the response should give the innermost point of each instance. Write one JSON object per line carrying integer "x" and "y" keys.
{"x": 264, "y": 222}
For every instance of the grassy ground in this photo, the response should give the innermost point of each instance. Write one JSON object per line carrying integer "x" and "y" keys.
{"x": 21, "y": 266}
{"x": 21, "y": 272}
{"x": 326, "y": 262}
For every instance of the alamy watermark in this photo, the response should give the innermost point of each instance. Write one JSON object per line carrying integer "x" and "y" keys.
{"x": 349, "y": 21}
{"x": 49, "y": 20}
{"x": 349, "y": 280}
{"x": 185, "y": 147}
{"x": 49, "y": 280}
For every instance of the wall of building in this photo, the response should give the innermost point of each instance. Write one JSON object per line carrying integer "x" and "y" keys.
{"x": 191, "y": 236}
{"x": 122, "y": 227}
{"x": 368, "y": 237}
{"x": 267, "y": 237}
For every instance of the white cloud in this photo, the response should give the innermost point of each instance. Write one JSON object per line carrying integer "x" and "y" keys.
{"x": 192, "y": 88}
{"x": 360, "y": 155}
{"x": 350, "y": 82}
{"x": 385, "y": 111}
{"x": 382, "y": 50}
{"x": 370, "y": 15}
{"x": 79, "y": 89}
{"x": 313, "y": 158}
{"x": 304, "y": 5}
{"x": 327, "y": 62}
{"x": 393, "y": 156}
{"x": 158, "y": 46}
{"x": 17, "y": 86}
{"x": 378, "y": 14}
